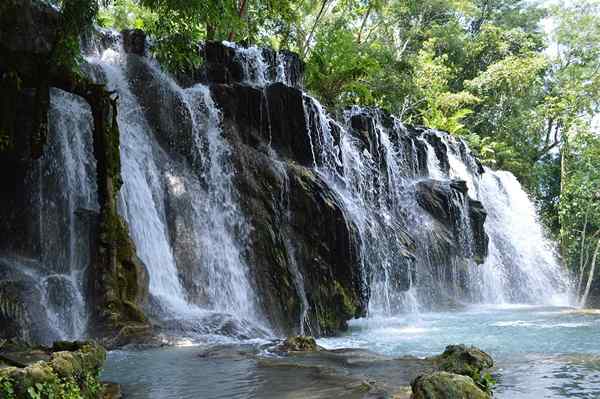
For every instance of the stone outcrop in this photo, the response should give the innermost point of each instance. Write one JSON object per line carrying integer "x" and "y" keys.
{"x": 222, "y": 64}
{"x": 298, "y": 343}
{"x": 284, "y": 240}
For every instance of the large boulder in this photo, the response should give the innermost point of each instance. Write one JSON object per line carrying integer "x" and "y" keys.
{"x": 273, "y": 117}
{"x": 449, "y": 205}
{"x": 444, "y": 385}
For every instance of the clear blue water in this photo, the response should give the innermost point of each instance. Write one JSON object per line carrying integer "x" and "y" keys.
{"x": 541, "y": 352}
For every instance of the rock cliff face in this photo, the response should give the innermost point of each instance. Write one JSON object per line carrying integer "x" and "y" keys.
{"x": 249, "y": 208}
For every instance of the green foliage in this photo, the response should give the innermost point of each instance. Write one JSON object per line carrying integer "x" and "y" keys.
{"x": 125, "y": 14}
{"x": 579, "y": 206}
{"x": 338, "y": 70}
{"x": 55, "y": 388}
{"x": 75, "y": 17}
{"x": 7, "y": 388}
{"x": 485, "y": 382}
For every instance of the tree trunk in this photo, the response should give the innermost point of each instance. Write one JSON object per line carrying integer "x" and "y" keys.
{"x": 591, "y": 275}
{"x": 241, "y": 12}
{"x": 582, "y": 261}
{"x": 364, "y": 23}
{"x": 305, "y": 48}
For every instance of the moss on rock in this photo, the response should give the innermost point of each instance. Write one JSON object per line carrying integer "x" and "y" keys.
{"x": 67, "y": 374}
{"x": 464, "y": 360}
{"x": 299, "y": 343}
{"x": 444, "y": 385}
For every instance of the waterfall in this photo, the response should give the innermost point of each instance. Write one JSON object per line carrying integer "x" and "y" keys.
{"x": 69, "y": 164}
{"x": 47, "y": 251}
{"x": 184, "y": 218}
{"x": 431, "y": 228}
{"x": 142, "y": 195}
{"x": 378, "y": 167}
{"x": 223, "y": 227}
{"x": 519, "y": 251}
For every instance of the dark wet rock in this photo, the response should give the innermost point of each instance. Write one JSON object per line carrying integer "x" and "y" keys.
{"x": 223, "y": 65}
{"x": 288, "y": 132}
{"x": 132, "y": 335}
{"x": 280, "y": 199}
{"x": 164, "y": 107}
{"x": 134, "y": 41}
{"x": 477, "y": 216}
{"x": 274, "y": 116}
{"x": 437, "y": 198}
{"x": 28, "y": 27}
{"x": 365, "y": 125}
{"x": 441, "y": 151}
{"x": 294, "y": 68}
{"x": 465, "y": 360}
{"x": 448, "y": 203}
{"x": 444, "y": 385}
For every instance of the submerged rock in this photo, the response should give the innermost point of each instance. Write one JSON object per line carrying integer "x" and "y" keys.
{"x": 444, "y": 385}
{"x": 299, "y": 343}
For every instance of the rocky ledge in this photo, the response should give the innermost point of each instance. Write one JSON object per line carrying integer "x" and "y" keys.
{"x": 65, "y": 370}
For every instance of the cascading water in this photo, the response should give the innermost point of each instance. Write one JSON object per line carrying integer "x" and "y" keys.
{"x": 525, "y": 261}
{"x": 377, "y": 170}
{"x": 213, "y": 290}
{"x": 70, "y": 120}
{"x": 46, "y": 274}
{"x": 224, "y": 228}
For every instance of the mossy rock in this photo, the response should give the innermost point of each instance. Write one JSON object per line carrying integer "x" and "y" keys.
{"x": 299, "y": 343}
{"x": 444, "y": 385}
{"x": 464, "y": 360}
